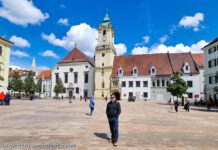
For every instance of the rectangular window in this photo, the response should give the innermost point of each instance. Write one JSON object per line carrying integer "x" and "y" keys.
{"x": 190, "y": 95}
{"x": 75, "y": 77}
{"x": 65, "y": 77}
{"x": 145, "y": 83}
{"x": 130, "y": 83}
{"x": 56, "y": 77}
{"x": 137, "y": 83}
{"x": 77, "y": 90}
{"x": 215, "y": 64}
{"x": 130, "y": 94}
{"x": 209, "y": 50}
{"x": 153, "y": 83}
{"x": 64, "y": 90}
{"x": 86, "y": 77}
{"x": 210, "y": 80}
{"x": 158, "y": 83}
{"x": 0, "y": 50}
{"x": 189, "y": 84}
{"x": 163, "y": 83}
{"x": 145, "y": 94}
{"x": 209, "y": 64}
{"x": 123, "y": 83}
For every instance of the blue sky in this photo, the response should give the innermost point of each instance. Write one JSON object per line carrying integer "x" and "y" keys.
{"x": 48, "y": 30}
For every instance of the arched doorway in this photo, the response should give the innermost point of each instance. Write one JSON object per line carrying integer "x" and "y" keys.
{"x": 117, "y": 94}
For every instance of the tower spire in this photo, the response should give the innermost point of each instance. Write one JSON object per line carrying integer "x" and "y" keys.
{"x": 33, "y": 67}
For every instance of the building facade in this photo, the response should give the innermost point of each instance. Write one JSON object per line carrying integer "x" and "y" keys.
{"x": 5, "y": 46}
{"x": 45, "y": 76}
{"x": 211, "y": 67}
{"x": 104, "y": 58}
{"x": 147, "y": 76}
{"x": 76, "y": 71}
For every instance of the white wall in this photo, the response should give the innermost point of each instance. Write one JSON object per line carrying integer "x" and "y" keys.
{"x": 134, "y": 89}
{"x": 79, "y": 67}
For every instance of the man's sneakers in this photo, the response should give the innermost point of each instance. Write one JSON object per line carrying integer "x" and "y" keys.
{"x": 115, "y": 144}
{"x": 109, "y": 139}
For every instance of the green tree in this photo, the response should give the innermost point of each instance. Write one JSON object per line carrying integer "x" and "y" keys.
{"x": 1, "y": 78}
{"x": 59, "y": 87}
{"x": 29, "y": 84}
{"x": 16, "y": 83}
{"x": 178, "y": 86}
{"x": 39, "y": 85}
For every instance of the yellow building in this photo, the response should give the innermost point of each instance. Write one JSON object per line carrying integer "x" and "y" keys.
{"x": 104, "y": 58}
{"x": 4, "y": 63}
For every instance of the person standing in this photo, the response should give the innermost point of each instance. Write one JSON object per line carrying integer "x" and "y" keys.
{"x": 176, "y": 104}
{"x": 92, "y": 104}
{"x": 7, "y": 99}
{"x": 113, "y": 111}
{"x": 187, "y": 105}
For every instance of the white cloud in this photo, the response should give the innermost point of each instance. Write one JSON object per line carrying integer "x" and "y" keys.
{"x": 49, "y": 53}
{"x": 146, "y": 39}
{"x": 164, "y": 38}
{"x": 22, "y": 12}
{"x": 14, "y": 67}
{"x": 63, "y": 21}
{"x": 85, "y": 38}
{"x": 19, "y": 53}
{"x": 192, "y": 21}
{"x": 83, "y": 35}
{"x": 120, "y": 48}
{"x": 179, "y": 48}
{"x": 19, "y": 41}
{"x": 140, "y": 50}
{"x": 62, "y": 6}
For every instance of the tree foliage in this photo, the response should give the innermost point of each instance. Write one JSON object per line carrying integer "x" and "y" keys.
{"x": 59, "y": 87}
{"x": 29, "y": 84}
{"x": 1, "y": 78}
{"x": 16, "y": 83}
{"x": 39, "y": 85}
{"x": 178, "y": 86}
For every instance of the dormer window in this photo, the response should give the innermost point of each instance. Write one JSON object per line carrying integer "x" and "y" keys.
{"x": 186, "y": 68}
{"x": 152, "y": 71}
{"x": 135, "y": 71}
{"x": 120, "y": 72}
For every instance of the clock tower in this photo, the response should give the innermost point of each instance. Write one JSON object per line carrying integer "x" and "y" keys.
{"x": 104, "y": 58}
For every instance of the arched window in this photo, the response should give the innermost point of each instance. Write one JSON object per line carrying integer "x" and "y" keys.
{"x": 135, "y": 71}
{"x": 186, "y": 68}
{"x": 104, "y": 32}
{"x": 153, "y": 71}
{"x": 120, "y": 72}
{"x": 102, "y": 84}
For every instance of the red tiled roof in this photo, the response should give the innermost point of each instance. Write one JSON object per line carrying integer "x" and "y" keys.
{"x": 2, "y": 38}
{"x": 214, "y": 41}
{"x": 165, "y": 63}
{"x": 44, "y": 74}
{"x": 179, "y": 59}
{"x": 20, "y": 72}
{"x": 77, "y": 56}
{"x": 143, "y": 63}
{"x": 199, "y": 59}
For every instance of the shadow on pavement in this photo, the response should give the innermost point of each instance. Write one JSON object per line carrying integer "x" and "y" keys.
{"x": 102, "y": 135}
{"x": 87, "y": 114}
{"x": 205, "y": 110}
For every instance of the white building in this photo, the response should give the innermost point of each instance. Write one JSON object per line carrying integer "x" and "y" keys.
{"x": 147, "y": 76}
{"x": 76, "y": 71}
{"x": 46, "y": 83}
{"x": 211, "y": 67}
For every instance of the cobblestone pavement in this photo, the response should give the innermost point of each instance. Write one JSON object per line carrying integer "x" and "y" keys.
{"x": 142, "y": 126}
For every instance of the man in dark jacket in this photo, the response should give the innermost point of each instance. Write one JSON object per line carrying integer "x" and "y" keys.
{"x": 113, "y": 111}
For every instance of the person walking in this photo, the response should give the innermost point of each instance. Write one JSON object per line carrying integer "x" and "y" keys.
{"x": 2, "y": 99}
{"x": 187, "y": 105}
{"x": 91, "y": 105}
{"x": 113, "y": 111}
{"x": 7, "y": 99}
{"x": 176, "y": 104}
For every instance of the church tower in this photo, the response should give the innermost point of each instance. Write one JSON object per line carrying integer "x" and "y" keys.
{"x": 104, "y": 58}
{"x": 33, "y": 66}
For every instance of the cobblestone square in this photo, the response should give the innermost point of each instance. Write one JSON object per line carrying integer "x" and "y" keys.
{"x": 142, "y": 125}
